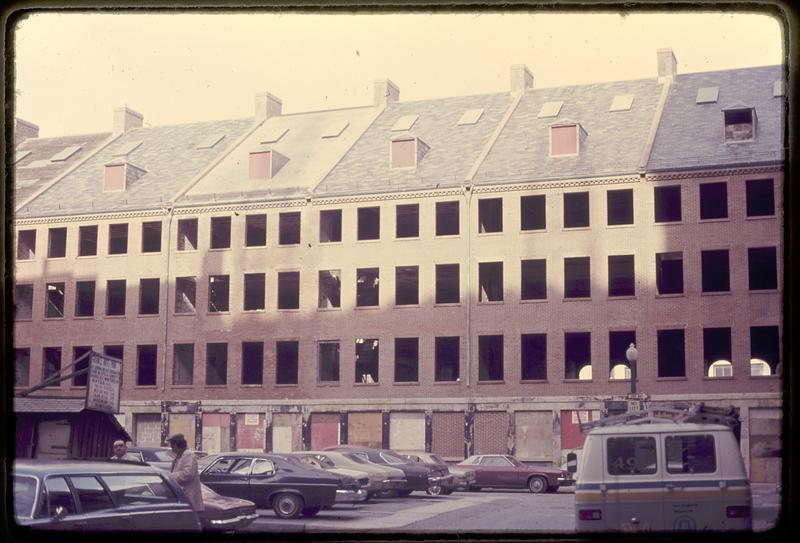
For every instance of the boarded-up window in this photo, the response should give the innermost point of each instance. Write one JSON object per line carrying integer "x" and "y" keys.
{"x": 491, "y": 432}
{"x": 407, "y": 431}
{"x": 114, "y": 178}
{"x": 250, "y": 435}
{"x": 533, "y": 435}
{"x": 563, "y": 140}
{"x": 447, "y": 434}
{"x": 365, "y": 429}
{"x": 404, "y": 153}
{"x": 324, "y": 430}
{"x": 260, "y": 165}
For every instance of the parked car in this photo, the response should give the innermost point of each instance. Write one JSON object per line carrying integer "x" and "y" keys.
{"x": 382, "y": 478}
{"x": 268, "y": 480}
{"x": 418, "y": 477}
{"x": 351, "y": 482}
{"x": 463, "y": 477}
{"x": 80, "y": 495}
{"x": 160, "y": 457}
{"x": 445, "y": 485}
{"x": 505, "y": 471}
{"x": 224, "y": 513}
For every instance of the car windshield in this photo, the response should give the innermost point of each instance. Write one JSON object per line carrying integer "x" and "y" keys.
{"x": 355, "y": 458}
{"x": 435, "y": 459}
{"x": 205, "y": 461}
{"x": 470, "y": 461}
{"x": 24, "y": 494}
{"x": 326, "y": 462}
{"x": 392, "y": 459}
{"x": 514, "y": 461}
{"x": 164, "y": 456}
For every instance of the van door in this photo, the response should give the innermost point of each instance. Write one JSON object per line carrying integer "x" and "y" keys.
{"x": 633, "y": 499}
{"x": 692, "y": 478}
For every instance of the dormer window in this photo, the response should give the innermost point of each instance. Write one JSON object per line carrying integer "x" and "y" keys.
{"x": 565, "y": 139}
{"x": 119, "y": 174}
{"x": 406, "y": 152}
{"x": 740, "y": 124}
{"x": 265, "y": 163}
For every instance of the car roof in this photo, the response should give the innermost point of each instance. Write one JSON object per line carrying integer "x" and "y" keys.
{"x": 45, "y": 467}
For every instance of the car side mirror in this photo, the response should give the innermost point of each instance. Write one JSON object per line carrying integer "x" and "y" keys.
{"x": 572, "y": 462}
{"x": 59, "y": 513}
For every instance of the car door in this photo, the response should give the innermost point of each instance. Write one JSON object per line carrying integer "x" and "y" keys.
{"x": 633, "y": 496}
{"x": 496, "y": 471}
{"x": 150, "y": 501}
{"x": 61, "y": 507}
{"x": 96, "y": 506}
{"x": 263, "y": 481}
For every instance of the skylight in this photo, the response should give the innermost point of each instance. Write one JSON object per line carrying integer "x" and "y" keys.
{"x": 274, "y": 134}
{"x": 37, "y": 164}
{"x": 779, "y": 88}
{"x": 621, "y": 102}
{"x": 335, "y": 130}
{"x": 707, "y": 95}
{"x": 550, "y": 109}
{"x": 210, "y": 141}
{"x": 64, "y": 154}
{"x": 127, "y": 149}
{"x": 470, "y": 116}
{"x": 20, "y": 155}
{"x": 405, "y": 122}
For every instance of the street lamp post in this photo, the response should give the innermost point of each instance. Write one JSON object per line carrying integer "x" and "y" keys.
{"x": 632, "y": 355}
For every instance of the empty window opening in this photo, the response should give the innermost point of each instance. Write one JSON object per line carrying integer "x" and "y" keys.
{"x": 330, "y": 289}
{"x": 533, "y": 351}
{"x": 57, "y": 243}
{"x": 330, "y": 225}
{"x": 187, "y": 234}
{"x": 447, "y": 218}
{"x": 185, "y": 293}
{"x": 532, "y": 212}
{"x": 667, "y": 203}
{"x": 576, "y": 277}
{"x": 26, "y": 244}
{"x": 621, "y": 276}
{"x": 115, "y": 297}
{"x": 367, "y": 287}
{"x": 490, "y": 358}
{"x": 447, "y": 284}
{"x": 84, "y": 298}
{"x": 564, "y": 140}
{"x": 151, "y": 237}
{"x": 620, "y": 206}
{"x": 289, "y": 228}
{"x": 183, "y": 364}
{"x": 406, "y": 360}
{"x": 576, "y": 210}
{"x": 117, "y": 239}
{"x": 23, "y": 302}
{"x": 671, "y": 353}
{"x": 369, "y": 223}
{"x": 490, "y": 277}
{"x": 286, "y": 362}
{"x": 618, "y": 343}
{"x": 87, "y": 240}
{"x": 714, "y": 200}
{"x": 447, "y": 359}
{"x": 669, "y": 273}
{"x": 55, "y": 301}
{"x": 255, "y": 231}
{"x": 407, "y": 221}
{"x": 220, "y": 232}
{"x": 534, "y": 279}
{"x": 146, "y": 365}
{"x": 114, "y": 351}
{"x": 765, "y": 347}
{"x": 707, "y": 95}
{"x": 289, "y": 290}
{"x": 22, "y": 367}
{"x": 148, "y": 296}
{"x": 77, "y": 352}
{"x": 762, "y": 268}
{"x": 715, "y": 270}
{"x": 252, "y": 362}
{"x": 219, "y": 290}
{"x": 760, "y": 198}
{"x": 254, "y": 291}
{"x": 367, "y": 356}
{"x": 329, "y": 361}
{"x": 740, "y": 124}
{"x": 407, "y": 285}
{"x": 216, "y": 363}
{"x": 51, "y": 364}
{"x": 577, "y": 355}
{"x": 717, "y": 352}
{"x": 490, "y": 215}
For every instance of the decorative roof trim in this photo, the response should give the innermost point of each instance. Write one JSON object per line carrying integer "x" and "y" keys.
{"x": 548, "y": 185}
{"x": 91, "y": 217}
{"x": 719, "y": 172}
{"x": 410, "y": 195}
{"x": 199, "y": 210}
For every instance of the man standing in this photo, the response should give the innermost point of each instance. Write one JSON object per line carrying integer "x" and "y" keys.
{"x": 121, "y": 452}
{"x": 184, "y": 471}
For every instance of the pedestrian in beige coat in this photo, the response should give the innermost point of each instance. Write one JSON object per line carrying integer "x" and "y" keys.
{"x": 184, "y": 471}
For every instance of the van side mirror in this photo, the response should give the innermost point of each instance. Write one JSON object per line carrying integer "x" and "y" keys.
{"x": 572, "y": 462}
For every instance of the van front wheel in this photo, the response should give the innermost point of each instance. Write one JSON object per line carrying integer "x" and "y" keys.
{"x": 537, "y": 484}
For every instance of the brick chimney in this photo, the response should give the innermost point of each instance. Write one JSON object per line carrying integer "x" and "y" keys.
{"x": 385, "y": 92}
{"x": 521, "y": 79}
{"x": 24, "y": 130}
{"x": 267, "y": 105}
{"x": 125, "y": 119}
{"x": 667, "y": 64}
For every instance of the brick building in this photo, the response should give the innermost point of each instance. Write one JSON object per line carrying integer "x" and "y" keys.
{"x": 462, "y": 274}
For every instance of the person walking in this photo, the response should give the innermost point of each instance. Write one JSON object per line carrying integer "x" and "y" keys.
{"x": 121, "y": 452}
{"x": 184, "y": 471}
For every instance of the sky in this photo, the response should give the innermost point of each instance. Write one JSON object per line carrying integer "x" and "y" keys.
{"x": 73, "y": 69}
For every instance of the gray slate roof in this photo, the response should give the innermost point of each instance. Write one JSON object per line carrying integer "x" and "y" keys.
{"x": 32, "y": 404}
{"x": 167, "y": 153}
{"x": 691, "y": 135}
{"x": 453, "y": 151}
{"x": 614, "y": 142}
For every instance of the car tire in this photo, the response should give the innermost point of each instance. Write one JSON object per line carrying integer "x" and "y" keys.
{"x": 435, "y": 490}
{"x": 311, "y": 511}
{"x": 287, "y": 505}
{"x": 537, "y": 484}
{"x": 404, "y": 493}
{"x": 447, "y": 491}
{"x": 474, "y": 489}
{"x": 552, "y": 489}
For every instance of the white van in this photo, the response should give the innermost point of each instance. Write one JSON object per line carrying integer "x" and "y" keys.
{"x": 663, "y": 476}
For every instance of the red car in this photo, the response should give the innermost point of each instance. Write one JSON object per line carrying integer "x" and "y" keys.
{"x": 505, "y": 471}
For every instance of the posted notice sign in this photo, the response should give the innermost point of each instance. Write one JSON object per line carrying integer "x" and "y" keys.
{"x": 102, "y": 387}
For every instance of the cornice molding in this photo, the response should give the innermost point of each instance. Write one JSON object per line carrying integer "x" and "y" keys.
{"x": 354, "y": 199}
{"x": 203, "y": 209}
{"x": 720, "y": 172}
{"x": 549, "y": 185}
{"x": 91, "y": 217}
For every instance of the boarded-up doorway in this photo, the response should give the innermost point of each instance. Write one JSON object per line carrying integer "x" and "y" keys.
{"x": 286, "y": 432}
{"x": 324, "y": 430}
{"x": 216, "y": 432}
{"x": 147, "y": 427}
{"x": 447, "y": 435}
{"x": 365, "y": 429}
{"x": 765, "y": 445}
{"x": 250, "y": 432}
{"x": 407, "y": 431}
{"x": 491, "y": 432}
{"x": 533, "y": 435}
{"x": 53, "y": 440}
{"x": 183, "y": 424}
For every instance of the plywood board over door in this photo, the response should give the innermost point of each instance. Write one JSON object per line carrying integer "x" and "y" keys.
{"x": 407, "y": 431}
{"x": 533, "y": 435}
{"x": 183, "y": 423}
{"x": 216, "y": 432}
{"x": 365, "y": 429}
{"x": 491, "y": 432}
{"x": 447, "y": 435}
{"x": 324, "y": 430}
{"x": 286, "y": 432}
{"x": 250, "y": 432}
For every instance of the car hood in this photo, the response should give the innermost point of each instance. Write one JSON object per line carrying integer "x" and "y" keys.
{"x": 218, "y": 502}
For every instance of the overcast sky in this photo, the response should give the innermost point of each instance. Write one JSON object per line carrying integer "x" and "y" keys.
{"x": 72, "y": 70}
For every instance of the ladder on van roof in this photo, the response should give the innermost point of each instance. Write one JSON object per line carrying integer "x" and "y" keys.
{"x": 699, "y": 414}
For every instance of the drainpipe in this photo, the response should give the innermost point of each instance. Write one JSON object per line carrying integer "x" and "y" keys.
{"x": 468, "y": 194}
{"x": 166, "y": 299}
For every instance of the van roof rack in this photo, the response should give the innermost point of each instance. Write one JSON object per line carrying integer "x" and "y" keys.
{"x": 699, "y": 414}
